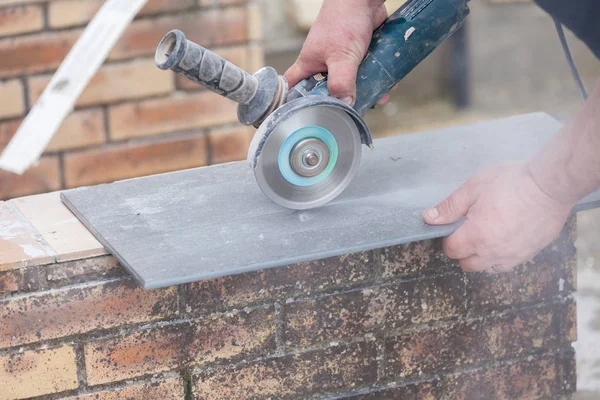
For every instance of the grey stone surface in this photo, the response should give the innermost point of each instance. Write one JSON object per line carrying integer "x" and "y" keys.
{"x": 205, "y": 223}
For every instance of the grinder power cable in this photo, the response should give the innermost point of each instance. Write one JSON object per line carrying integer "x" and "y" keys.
{"x": 308, "y": 144}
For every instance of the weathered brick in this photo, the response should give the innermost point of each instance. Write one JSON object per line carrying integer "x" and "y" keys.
{"x": 76, "y": 310}
{"x": 437, "y": 350}
{"x": 548, "y": 274}
{"x": 528, "y": 379}
{"x": 425, "y": 300}
{"x": 80, "y": 129}
{"x": 348, "y": 271}
{"x": 12, "y": 103}
{"x": 21, "y": 280}
{"x": 37, "y": 373}
{"x": 414, "y": 258}
{"x": 20, "y": 19}
{"x": 66, "y": 13}
{"x": 169, "y": 389}
{"x": 228, "y": 145}
{"x": 354, "y": 314}
{"x": 334, "y": 317}
{"x": 236, "y": 55}
{"x": 128, "y": 161}
{"x": 294, "y": 376}
{"x": 569, "y": 322}
{"x": 207, "y": 28}
{"x": 42, "y": 177}
{"x": 106, "y": 266}
{"x": 427, "y": 390}
{"x": 170, "y": 114}
{"x": 221, "y": 339}
{"x": 116, "y": 82}
{"x": 35, "y": 53}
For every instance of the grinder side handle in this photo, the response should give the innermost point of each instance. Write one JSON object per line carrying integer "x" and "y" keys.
{"x": 405, "y": 39}
{"x": 204, "y": 67}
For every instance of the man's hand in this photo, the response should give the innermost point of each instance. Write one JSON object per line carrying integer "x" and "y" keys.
{"x": 509, "y": 219}
{"x": 337, "y": 43}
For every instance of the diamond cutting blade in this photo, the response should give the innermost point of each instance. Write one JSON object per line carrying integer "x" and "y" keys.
{"x": 309, "y": 158}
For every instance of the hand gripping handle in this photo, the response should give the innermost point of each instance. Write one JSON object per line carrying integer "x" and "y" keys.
{"x": 405, "y": 39}
{"x": 202, "y": 66}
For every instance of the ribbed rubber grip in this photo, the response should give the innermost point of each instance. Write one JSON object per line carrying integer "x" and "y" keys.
{"x": 204, "y": 67}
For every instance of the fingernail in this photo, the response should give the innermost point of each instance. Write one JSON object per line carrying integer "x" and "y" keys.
{"x": 433, "y": 213}
{"x": 348, "y": 100}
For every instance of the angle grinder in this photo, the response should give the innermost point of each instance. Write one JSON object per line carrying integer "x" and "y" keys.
{"x": 307, "y": 146}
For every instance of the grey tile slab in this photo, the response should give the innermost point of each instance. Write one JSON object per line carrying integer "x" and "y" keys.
{"x": 209, "y": 222}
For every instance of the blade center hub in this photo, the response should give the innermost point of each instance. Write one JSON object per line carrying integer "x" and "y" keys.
{"x": 309, "y": 157}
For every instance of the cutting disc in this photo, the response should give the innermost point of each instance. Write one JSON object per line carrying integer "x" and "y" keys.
{"x": 309, "y": 158}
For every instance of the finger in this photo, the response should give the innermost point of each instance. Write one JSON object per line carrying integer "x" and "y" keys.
{"x": 460, "y": 244}
{"x": 475, "y": 263}
{"x": 381, "y": 15}
{"x": 302, "y": 70}
{"x": 453, "y": 208}
{"x": 395, "y": 87}
{"x": 341, "y": 75}
{"x": 384, "y": 99}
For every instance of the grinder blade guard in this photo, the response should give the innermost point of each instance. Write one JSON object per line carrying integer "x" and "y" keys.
{"x": 307, "y": 146}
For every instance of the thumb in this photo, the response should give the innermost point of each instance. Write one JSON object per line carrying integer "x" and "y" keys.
{"x": 341, "y": 77}
{"x": 302, "y": 70}
{"x": 451, "y": 209}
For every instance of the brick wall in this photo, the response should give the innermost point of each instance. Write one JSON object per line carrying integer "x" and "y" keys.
{"x": 395, "y": 323}
{"x": 133, "y": 119}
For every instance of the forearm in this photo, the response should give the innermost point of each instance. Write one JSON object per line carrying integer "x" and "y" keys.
{"x": 568, "y": 167}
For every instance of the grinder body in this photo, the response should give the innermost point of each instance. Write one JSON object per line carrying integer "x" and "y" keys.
{"x": 307, "y": 146}
{"x": 405, "y": 39}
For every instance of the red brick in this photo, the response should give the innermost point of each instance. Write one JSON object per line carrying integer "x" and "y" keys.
{"x": 115, "y": 82}
{"x": 41, "y": 178}
{"x": 223, "y": 339}
{"x": 106, "y": 266}
{"x": 340, "y": 316}
{"x": 80, "y": 129}
{"x": 21, "y": 19}
{"x": 349, "y": 271}
{"x": 66, "y": 13}
{"x": 228, "y": 145}
{"x": 419, "y": 302}
{"x": 534, "y": 379}
{"x": 128, "y": 161}
{"x": 38, "y": 373}
{"x": 170, "y": 389}
{"x": 414, "y": 258}
{"x": 170, "y": 114}
{"x": 76, "y": 310}
{"x": 236, "y": 55}
{"x": 207, "y": 28}
{"x": 35, "y": 53}
{"x": 294, "y": 376}
{"x": 21, "y": 280}
{"x": 433, "y": 351}
{"x": 355, "y": 314}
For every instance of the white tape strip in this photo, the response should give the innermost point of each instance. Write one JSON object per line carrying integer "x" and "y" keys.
{"x": 73, "y": 75}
